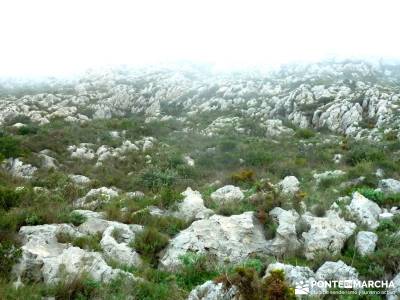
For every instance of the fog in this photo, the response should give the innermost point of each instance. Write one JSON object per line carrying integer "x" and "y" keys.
{"x": 50, "y": 37}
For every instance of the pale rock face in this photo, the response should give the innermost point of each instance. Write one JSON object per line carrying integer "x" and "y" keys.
{"x": 275, "y": 128}
{"x": 286, "y": 237}
{"x": 83, "y": 152}
{"x": 95, "y": 197}
{"x": 326, "y": 233}
{"x": 328, "y": 175}
{"x": 231, "y": 239}
{"x": 212, "y": 291}
{"x": 341, "y": 116}
{"x": 364, "y": 210}
{"x": 227, "y": 194}
{"x": 74, "y": 261}
{"x": 289, "y": 185}
{"x": 336, "y": 271}
{"x": 47, "y": 162}
{"x": 192, "y": 207}
{"x": 115, "y": 242}
{"x": 389, "y": 185}
{"x": 18, "y": 169}
{"x": 40, "y": 242}
{"x": 79, "y": 179}
{"x": 366, "y": 242}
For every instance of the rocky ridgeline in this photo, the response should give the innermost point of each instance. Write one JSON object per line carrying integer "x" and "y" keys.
{"x": 354, "y": 98}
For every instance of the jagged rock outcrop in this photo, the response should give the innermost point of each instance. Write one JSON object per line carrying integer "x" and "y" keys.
{"x": 327, "y": 233}
{"x": 365, "y": 211}
{"x": 232, "y": 239}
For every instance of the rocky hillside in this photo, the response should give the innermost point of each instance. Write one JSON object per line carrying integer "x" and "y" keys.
{"x": 186, "y": 183}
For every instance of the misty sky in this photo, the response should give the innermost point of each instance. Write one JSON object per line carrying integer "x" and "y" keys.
{"x": 57, "y": 36}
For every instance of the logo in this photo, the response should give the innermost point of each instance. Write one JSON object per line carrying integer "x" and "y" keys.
{"x": 302, "y": 288}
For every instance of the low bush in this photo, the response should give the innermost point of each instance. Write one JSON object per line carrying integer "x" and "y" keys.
{"x": 89, "y": 242}
{"x": 305, "y": 133}
{"x": 196, "y": 269}
{"x": 149, "y": 242}
{"x": 364, "y": 152}
{"x": 9, "y": 255}
{"x": 253, "y": 287}
{"x": 155, "y": 179}
{"x": 9, "y": 147}
{"x": 243, "y": 177}
{"x": 9, "y": 198}
{"x": 165, "y": 224}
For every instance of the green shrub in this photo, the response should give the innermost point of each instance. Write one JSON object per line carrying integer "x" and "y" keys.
{"x": 371, "y": 194}
{"x": 364, "y": 152}
{"x": 78, "y": 287}
{"x": 9, "y": 198}
{"x": 76, "y": 219}
{"x": 165, "y": 224}
{"x": 88, "y": 242}
{"x": 196, "y": 269}
{"x": 149, "y": 242}
{"x": 155, "y": 179}
{"x": 243, "y": 176}
{"x": 276, "y": 287}
{"x": 9, "y": 147}
{"x": 252, "y": 287}
{"x": 9, "y": 255}
{"x": 305, "y": 133}
{"x": 28, "y": 129}
{"x": 168, "y": 197}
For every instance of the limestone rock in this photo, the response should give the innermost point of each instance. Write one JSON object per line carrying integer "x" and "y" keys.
{"x": 227, "y": 194}
{"x": 232, "y": 239}
{"x": 389, "y": 185}
{"x": 366, "y": 242}
{"x": 192, "y": 207}
{"x": 326, "y": 233}
{"x": 289, "y": 185}
{"x": 364, "y": 210}
{"x": 213, "y": 291}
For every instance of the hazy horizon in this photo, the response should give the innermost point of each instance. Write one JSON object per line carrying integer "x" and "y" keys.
{"x": 61, "y": 37}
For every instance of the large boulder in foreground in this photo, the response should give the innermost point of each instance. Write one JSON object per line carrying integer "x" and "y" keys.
{"x": 229, "y": 239}
{"x": 365, "y": 211}
{"x": 328, "y": 233}
{"x": 49, "y": 256}
{"x": 73, "y": 262}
